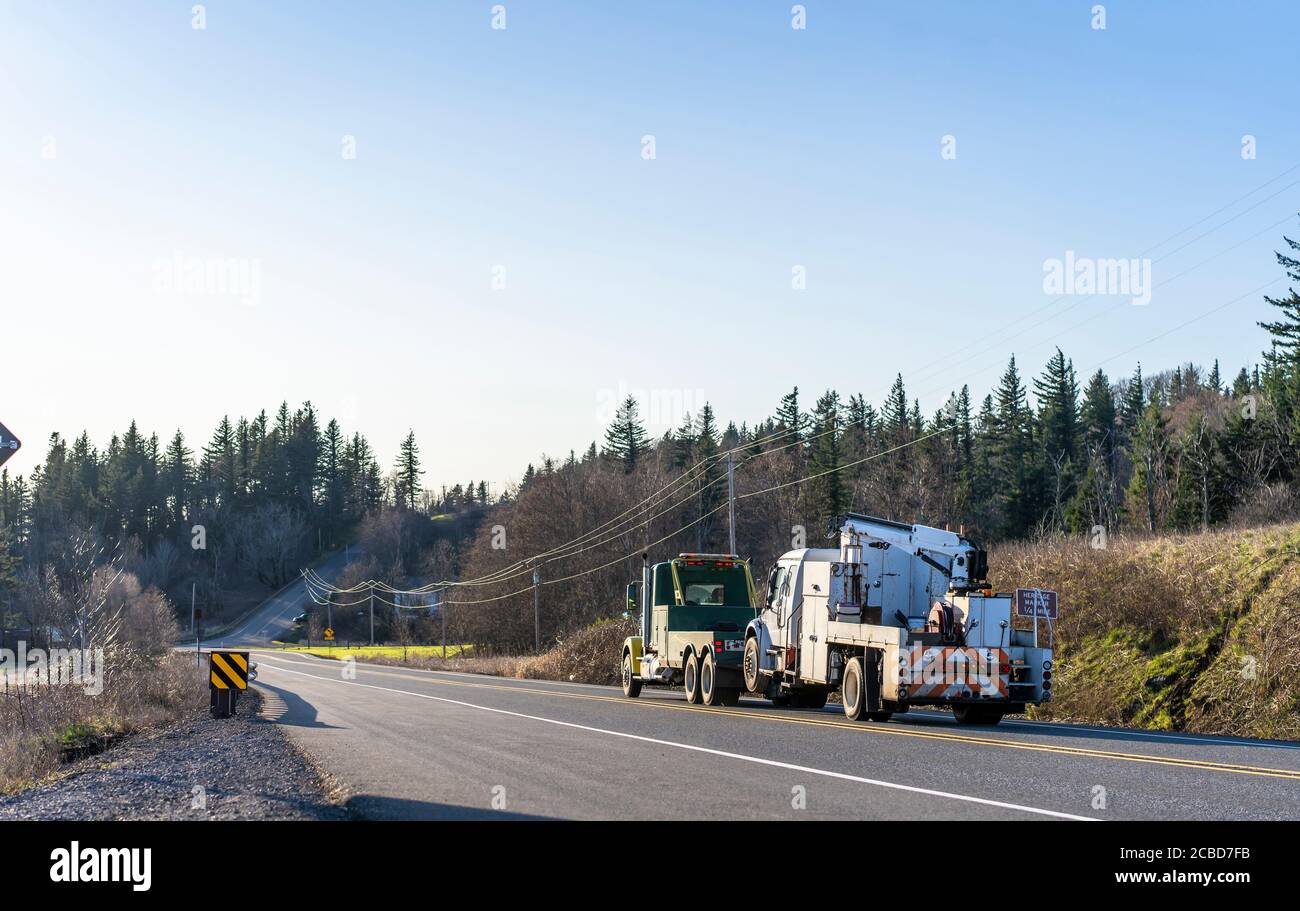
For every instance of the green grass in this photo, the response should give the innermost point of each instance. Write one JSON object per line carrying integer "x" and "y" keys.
{"x": 378, "y": 651}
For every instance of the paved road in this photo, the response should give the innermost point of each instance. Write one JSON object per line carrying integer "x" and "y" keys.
{"x": 274, "y": 618}
{"x": 421, "y": 744}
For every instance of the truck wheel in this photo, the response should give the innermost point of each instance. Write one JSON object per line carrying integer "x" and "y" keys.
{"x": 880, "y": 716}
{"x": 631, "y": 686}
{"x": 853, "y": 690}
{"x": 710, "y": 691}
{"x": 731, "y": 696}
{"x": 977, "y": 714}
{"x": 755, "y": 679}
{"x": 691, "y": 679}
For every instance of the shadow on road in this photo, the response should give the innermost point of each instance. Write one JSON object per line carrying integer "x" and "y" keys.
{"x": 299, "y": 712}
{"x": 370, "y": 806}
{"x": 944, "y": 720}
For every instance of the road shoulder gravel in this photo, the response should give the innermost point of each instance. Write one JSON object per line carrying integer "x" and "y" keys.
{"x": 199, "y": 768}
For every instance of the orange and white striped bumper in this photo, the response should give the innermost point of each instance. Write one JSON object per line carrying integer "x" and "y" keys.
{"x": 952, "y": 672}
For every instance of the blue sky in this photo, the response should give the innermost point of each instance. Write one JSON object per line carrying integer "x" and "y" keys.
{"x": 134, "y": 141}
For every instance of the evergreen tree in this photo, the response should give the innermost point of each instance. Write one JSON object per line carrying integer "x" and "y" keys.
{"x": 1011, "y": 456}
{"x": 1057, "y": 391}
{"x": 790, "y": 418}
{"x": 406, "y": 485}
{"x": 826, "y": 493}
{"x": 626, "y": 440}
{"x": 331, "y": 471}
{"x": 179, "y": 476}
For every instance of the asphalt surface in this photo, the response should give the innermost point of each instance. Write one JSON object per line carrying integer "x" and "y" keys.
{"x": 414, "y": 744}
{"x": 273, "y": 619}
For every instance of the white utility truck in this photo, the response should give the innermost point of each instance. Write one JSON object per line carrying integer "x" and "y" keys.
{"x": 899, "y": 616}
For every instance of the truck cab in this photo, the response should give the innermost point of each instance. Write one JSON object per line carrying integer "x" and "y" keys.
{"x": 694, "y": 610}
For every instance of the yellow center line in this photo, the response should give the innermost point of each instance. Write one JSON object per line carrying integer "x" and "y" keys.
{"x": 887, "y": 730}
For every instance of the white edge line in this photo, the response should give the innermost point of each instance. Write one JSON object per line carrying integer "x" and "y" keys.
{"x": 843, "y": 776}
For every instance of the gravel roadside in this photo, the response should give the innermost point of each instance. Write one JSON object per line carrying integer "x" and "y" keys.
{"x": 200, "y": 768}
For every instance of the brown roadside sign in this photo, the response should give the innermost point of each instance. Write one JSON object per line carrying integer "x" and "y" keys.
{"x": 9, "y": 444}
{"x": 228, "y": 670}
{"x": 1035, "y": 602}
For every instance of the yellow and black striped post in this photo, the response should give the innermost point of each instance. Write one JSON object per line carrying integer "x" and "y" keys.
{"x": 227, "y": 678}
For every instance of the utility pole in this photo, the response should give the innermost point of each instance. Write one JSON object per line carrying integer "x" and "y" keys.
{"x": 442, "y": 614}
{"x": 372, "y": 613}
{"x": 731, "y": 500}
{"x": 537, "y": 610}
{"x": 194, "y": 622}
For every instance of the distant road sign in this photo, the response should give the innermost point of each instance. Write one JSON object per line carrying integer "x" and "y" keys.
{"x": 329, "y": 634}
{"x": 1035, "y": 602}
{"x": 228, "y": 670}
{"x": 9, "y": 444}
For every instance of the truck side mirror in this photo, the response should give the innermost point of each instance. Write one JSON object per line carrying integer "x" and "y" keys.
{"x": 632, "y": 607}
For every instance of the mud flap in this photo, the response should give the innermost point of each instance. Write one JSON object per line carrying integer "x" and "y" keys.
{"x": 871, "y": 671}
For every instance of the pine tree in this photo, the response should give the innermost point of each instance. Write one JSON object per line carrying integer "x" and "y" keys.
{"x": 331, "y": 473}
{"x": 709, "y": 491}
{"x": 626, "y": 440}
{"x": 683, "y": 443}
{"x": 179, "y": 476}
{"x": 1011, "y": 456}
{"x": 1095, "y": 501}
{"x": 9, "y": 561}
{"x": 1281, "y": 377}
{"x": 790, "y": 418}
{"x": 893, "y": 414}
{"x": 826, "y": 491}
{"x": 1241, "y": 385}
{"x": 219, "y": 465}
{"x": 1057, "y": 391}
{"x": 406, "y": 483}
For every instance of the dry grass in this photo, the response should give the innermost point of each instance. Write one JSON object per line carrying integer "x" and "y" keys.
{"x": 42, "y": 726}
{"x": 590, "y": 655}
{"x": 1188, "y": 632}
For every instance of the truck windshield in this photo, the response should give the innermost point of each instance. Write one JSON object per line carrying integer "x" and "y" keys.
{"x": 714, "y": 586}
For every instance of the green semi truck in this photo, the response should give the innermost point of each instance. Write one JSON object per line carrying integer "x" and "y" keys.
{"x": 694, "y": 610}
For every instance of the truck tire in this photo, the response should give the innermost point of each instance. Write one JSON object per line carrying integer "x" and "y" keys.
{"x": 853, "y": 690}
{"x": 977, "y": 714}
{"x": 691, "y": 678}
{"x": 631, "y": 685}
{"x": 860, "y": 689}
{"x": 880, "y": 716}
{"x": 711, "y": 693}
{"x": 731, "y": 696}
{"x": 755, "y": 678}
